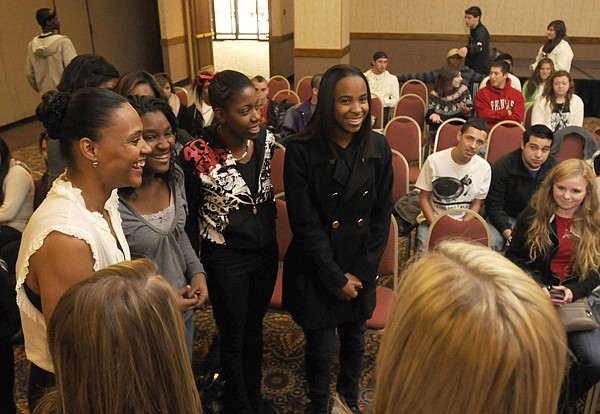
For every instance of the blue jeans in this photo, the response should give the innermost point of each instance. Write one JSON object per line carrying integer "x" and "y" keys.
{"x": 188, "y": 324}
{"x": 498, "y": 241}
{"x": 320, "y": 349}
{"x": 422, "y": 231}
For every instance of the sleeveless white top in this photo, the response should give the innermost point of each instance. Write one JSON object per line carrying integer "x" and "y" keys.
{"x": 64, "y": 211}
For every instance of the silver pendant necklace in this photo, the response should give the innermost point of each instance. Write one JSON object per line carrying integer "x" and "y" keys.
{"x": 245, "y": 152}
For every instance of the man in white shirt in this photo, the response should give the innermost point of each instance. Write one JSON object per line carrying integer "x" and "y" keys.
{"x": 383, "y": 84}
{"x": 455, "y": 177}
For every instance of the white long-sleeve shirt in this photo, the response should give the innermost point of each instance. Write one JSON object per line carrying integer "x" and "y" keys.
{"x": 561, "y": 55}
{"x": 542, "y": 114}
{"x": 385, "y": 85}
{"x": 18, "y": 188}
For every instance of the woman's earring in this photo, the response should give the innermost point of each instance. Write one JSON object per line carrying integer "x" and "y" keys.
{"x": 95, "y": 164}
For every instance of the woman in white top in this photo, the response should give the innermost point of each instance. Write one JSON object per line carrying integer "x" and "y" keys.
{"x": 557, "y": 47}
{"x": 16, "y": 196}
{"x": 77, "y": 229}
{"x": 558, "y": 107}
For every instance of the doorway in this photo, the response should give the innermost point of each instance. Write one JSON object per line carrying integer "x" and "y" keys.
{"x": 241, "y": 19}
{"x": 241, "y": 37}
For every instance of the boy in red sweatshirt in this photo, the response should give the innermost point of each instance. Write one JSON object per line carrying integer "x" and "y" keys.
{"x": 498, "y": 101}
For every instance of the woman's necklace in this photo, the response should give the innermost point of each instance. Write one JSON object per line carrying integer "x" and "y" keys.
{"x": 245, "y": 151}
{"x": 236, "y": 159}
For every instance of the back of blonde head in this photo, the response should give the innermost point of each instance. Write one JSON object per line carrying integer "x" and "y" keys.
{"x": 470, "y": 333}
{"x": 116, "y": 339}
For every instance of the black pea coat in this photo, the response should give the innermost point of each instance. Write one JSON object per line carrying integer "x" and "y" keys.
{"x": 336, "y": 229}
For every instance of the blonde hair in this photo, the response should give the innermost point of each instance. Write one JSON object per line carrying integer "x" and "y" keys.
{"x": 116, "y": 340}
{"x": 585, "y": 223}
{"x": 470, "y": 333}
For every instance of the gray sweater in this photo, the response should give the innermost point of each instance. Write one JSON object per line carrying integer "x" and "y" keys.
{"x": 170, "y": 250}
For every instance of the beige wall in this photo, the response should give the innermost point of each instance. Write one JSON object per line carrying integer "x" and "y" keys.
{"x": 127, "y": 33}
{"x": 172, "y": 23}
{"x": 282, "y": 17}
{"x": 173, "y": 40}
{"x": 309, "y": 66}
{"x": 281, "y": 58}
{"x": 322, "y": 36}
{"x": 281, "y": 40}
{"x": 321, "y": 23}
{"x": 510, "y": 17}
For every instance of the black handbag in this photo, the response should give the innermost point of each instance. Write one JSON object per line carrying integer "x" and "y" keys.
{"x": 577, "y": 316}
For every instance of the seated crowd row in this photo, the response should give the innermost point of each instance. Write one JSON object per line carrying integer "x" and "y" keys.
{"x": 500, "y": 97}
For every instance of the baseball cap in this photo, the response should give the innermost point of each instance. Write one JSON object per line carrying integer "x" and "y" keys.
{"x": 452, "y": 52}
{"x": 43, "y": 15}
{"x": 379, "y": 55}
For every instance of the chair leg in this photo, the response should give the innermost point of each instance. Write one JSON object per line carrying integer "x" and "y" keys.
{"x": 591, "y": 399}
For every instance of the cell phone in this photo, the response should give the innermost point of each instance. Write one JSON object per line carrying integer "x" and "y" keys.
{"x": 557, "y": 296}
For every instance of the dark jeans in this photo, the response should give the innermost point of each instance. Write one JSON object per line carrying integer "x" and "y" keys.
{"x": 9, "y": 324}
{"x": 40, "y": 381}
{"x": 388, "y": 113}
{"x": 320, "y": 349}
{"x": 9, "y": 253}
{"x": 240, "y": 285}
{"x": 7, "y": 378}
{"x": 585, "y": 373}
{"x": 8, "y": 234}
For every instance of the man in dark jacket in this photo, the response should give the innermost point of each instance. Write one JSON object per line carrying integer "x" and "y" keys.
{"x": 477, "y": 51}
{"x": 515, "y": 178}
{"x": 298, "y": 115}
{"x": 469, "y": 76}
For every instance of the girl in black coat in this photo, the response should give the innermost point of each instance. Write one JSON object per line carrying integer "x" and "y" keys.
{"x": 338, "y": 182}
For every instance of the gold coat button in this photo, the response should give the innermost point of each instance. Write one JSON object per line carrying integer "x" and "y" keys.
{"x": 366, "y": 193}
{"x": 360, "y": 223}
{"x": 335, "y": 224}
{"x": 335, "y": 195}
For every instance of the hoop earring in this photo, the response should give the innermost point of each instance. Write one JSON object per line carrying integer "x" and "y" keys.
{"x": 95, "y": 164}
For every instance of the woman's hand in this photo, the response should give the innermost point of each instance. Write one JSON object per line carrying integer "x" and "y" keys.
{"x": 350, "y": 290}
{"x": 199, "y": 289}
{"x": 435, "y": 118}
{"x": 184, "y": 301}
{"x": 568, "y": 293}
{"x": 464, "y": 109}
